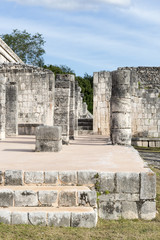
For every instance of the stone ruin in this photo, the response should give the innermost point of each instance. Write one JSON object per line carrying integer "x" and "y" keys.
{"x": 31, "y": 96}
{"x": 127, "y": 105}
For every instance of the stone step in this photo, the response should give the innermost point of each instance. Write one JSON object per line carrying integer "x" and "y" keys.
{"x": 57, "y": 196}
{"x": 58, "y": 217}
{"x": 85, "y": 127}
{"x": 85, "y": 120}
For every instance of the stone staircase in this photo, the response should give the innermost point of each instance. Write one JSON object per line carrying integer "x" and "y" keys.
{"x": 85, "y": 126}
{"x": 40, "y": 198}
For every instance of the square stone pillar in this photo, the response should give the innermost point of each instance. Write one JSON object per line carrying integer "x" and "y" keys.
{"x": 76, "y": 109}
{"x": 48, "y": 139}
{"x": 72, "y": 107}
{"x": 2, "y": 107}
{"x": 62, "y": 105}
{"x": 11, "y": 109}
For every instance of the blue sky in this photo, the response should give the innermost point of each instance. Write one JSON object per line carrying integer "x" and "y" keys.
{"x": 89, "y": 35}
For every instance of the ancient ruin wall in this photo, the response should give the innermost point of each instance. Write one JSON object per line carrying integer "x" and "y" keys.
{"x": 145, "y": 88}
{"x": 2, "y": 106}
{"x": 101, "y": 108}
{"x": 35, "y": 89}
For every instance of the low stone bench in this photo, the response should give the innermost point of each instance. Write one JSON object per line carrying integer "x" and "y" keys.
{"x": 48, "y": 139}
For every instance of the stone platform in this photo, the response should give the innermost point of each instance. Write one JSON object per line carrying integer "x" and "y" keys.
{"x": 92, "y": 152}
{"x": 87, "y": 179}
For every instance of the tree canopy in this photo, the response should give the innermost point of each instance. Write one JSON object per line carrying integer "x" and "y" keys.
{"x": 29, "y": 48}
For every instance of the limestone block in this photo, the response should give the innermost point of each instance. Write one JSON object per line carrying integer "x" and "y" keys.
{"x": 68, "y": 178}
{"x": 67, "y": 199}
{"x": 148, "y": 185}
{"x": 38, "y": 218}
{"x": 13, "y": 177}
{"x": 25, "y": 198}
{"x": 121, "y": 77}
{"x": 127, "y": 197}
{"x": 59, "y": 219}
{"x": 128, "y": 182}
{"x": 51, "y": 177}
{"x": 121, "y": 120}
{"x": 84, "y": 219}
{"x": 129, "y": 210}
{"x": 86, "y": 177}
{"x": 121, "y": 104}
{"x": 47, "y": 198}
{"x": 107, "y": 181}
{"x": 5, "y": 216}
{"x": 121, "y": 91}
{"x": 148, "y": 210}
{"x": 110, "y": 210}
{"x": 48, "y": 133}
{"x": 1, "y": 177}
{"x": 6, "y": 198}
{"x": 87, "y": 198}
{"x": 48, "y": 146}
{"x": 121, "y": 136}
{"x": 19, "y": 218}
{"x": 34, "y": 177}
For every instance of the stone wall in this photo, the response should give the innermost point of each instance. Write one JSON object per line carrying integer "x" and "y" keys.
{"x": 29, "y": 96}
{"x": 143, "y": 105}
{"x": 2, "y": 106}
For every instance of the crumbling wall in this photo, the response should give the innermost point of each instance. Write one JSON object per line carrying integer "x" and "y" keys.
{"x": 101, "y": 108}
{"x": 35, "y": 90}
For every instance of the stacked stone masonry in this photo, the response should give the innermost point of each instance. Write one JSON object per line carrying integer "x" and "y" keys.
{"x": 140, "y": 102}
{"x": 74, "y": 198}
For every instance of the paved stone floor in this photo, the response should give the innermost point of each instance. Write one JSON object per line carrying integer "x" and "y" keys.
{"x": 85, "y": 153}
{"x": 151, "y": 157}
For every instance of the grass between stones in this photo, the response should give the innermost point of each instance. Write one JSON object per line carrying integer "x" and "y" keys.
{"x": 110, "y": 230}
{"x": 148, "y": 149}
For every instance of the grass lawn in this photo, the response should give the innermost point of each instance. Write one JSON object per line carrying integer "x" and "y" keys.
{"x": 122, "y": 229}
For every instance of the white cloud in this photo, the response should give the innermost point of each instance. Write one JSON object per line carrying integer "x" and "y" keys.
{"x": 73, "y": 4}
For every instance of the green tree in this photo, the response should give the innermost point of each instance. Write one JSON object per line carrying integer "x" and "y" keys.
{"x": 28, "y": 47}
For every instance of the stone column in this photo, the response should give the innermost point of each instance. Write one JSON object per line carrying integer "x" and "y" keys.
{"x": 2, "y": 107}
{"x": 121, "y": 108}
{"x": 62, "y": 105}
{"x": 11, "y": 109}
{"x": 72, "y": 107}
{"x": 101, "y": 102}
{"x": 76, "y": 109}
{"x": 84, "y": 107}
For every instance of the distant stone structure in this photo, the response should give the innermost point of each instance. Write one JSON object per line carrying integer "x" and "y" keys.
{"x": 127, "y": 105}
{"x": 7, "y": 55}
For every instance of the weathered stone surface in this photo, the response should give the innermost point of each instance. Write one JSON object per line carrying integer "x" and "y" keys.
{"x": 110, "y": 210}
{"x": 121, "y": 120}
{"x": 127, "y": 197}
{"x": 87, "y": 198}
{"x": 86, "y": 177}
{"x": 67, "y": 199}
{"x": 68, "y": 178}
{"x": 25, "y": 198}
{"x": 148, "y": 185}
{"x": 47, "y": 198}
{"x": 121, "y": 136}
{"x": 34, "y": 177}
{"x": 129, "y": 210}
{"x": 5, "y": 216}
{"x": 19, "y": 218}
{"x": 128, "y": 182}
{"x": 48, "y": 133}
{"x": 37, "y": 218}
{"x": 59, "y": 219}
{"x": 51, "y": 177}
{"x": 1, "y": 177}
{"x": 13, "y": 177}
{"x": 84, "y": 219}
{"x": 6, "y": 198}
{"x": 48, "y": 146}
{"x": 107, "y": 182}
{"x": 148, "y": 210}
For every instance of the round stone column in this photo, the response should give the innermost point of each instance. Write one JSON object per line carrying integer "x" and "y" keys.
{"x": 121, "y": 108}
